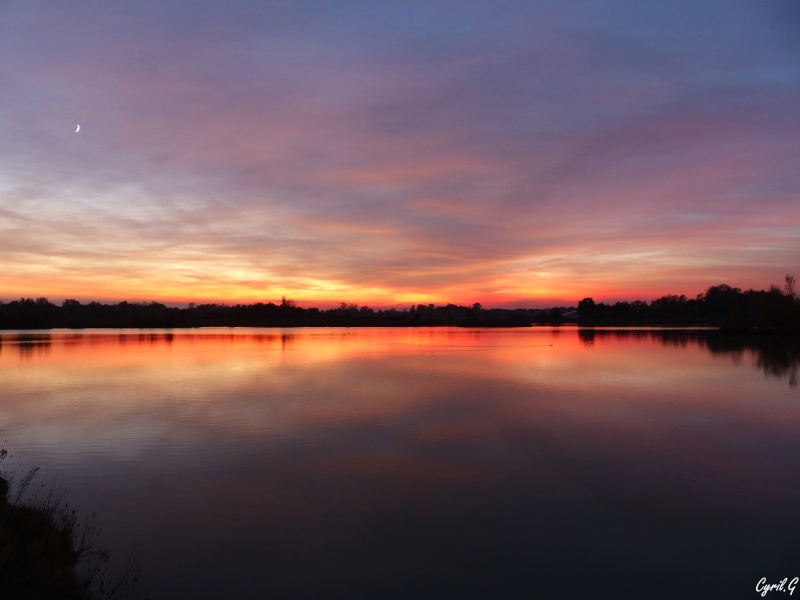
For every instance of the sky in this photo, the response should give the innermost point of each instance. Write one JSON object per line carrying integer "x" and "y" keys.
{"x": 512, "y": 153}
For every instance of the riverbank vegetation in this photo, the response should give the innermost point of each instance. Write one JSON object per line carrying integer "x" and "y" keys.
{"x": 46, "y": 550}
{"x": 721, "y": 305}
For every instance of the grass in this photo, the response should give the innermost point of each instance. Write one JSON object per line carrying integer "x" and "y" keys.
{"x": 47, "y": 550}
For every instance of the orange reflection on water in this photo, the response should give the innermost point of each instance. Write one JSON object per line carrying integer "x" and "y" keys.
{"x": 276, "y": 381}
{"x": 234, "y": 442}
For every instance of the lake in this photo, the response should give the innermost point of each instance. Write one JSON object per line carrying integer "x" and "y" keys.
{"x": 420, "y": 462}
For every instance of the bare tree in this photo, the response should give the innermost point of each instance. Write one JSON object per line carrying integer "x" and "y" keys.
{"x": 789, "y": 286}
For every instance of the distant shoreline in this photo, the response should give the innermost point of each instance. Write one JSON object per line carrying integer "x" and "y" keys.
{"x": 572, "y": 326}
{"x": 721, "y": 306}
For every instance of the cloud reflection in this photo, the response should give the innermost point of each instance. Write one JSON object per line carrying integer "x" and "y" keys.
{"x": 414, "y": 459}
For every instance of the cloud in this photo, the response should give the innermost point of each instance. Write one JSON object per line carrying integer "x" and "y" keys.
{"x": 380, "y": 152}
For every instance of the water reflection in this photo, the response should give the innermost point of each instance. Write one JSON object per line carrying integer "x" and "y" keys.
{"x": 443, "y": 463}
{"x": 27, "y": 345}
{"x": 775, "y": 355}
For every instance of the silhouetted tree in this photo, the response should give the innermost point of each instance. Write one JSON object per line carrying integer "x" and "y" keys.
{"x": 586, "y": 308}
{"x": 789, "y": 286}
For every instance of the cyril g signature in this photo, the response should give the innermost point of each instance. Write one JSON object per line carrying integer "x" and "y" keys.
{"x": 784, "y": 585}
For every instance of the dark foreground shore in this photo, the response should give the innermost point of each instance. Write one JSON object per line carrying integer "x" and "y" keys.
{"x": 37, "y": 555}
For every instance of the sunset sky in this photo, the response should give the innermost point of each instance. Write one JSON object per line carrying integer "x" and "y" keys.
{"x": 513, "y": 153}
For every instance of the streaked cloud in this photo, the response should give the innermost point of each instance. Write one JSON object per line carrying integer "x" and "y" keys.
{"x": 514, "y": 153}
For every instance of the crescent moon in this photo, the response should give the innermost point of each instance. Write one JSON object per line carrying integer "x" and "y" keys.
{"x": 78, "y": 129}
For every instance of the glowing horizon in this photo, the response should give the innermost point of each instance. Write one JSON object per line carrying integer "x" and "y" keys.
{"x": 514, "y": 154}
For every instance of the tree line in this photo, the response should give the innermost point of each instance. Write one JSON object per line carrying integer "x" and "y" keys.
{"x": 720, "y": 305}
{"x": 40, "y": 313}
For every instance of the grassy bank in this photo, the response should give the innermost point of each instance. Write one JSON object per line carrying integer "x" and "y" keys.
{"x": 48, "y": 552}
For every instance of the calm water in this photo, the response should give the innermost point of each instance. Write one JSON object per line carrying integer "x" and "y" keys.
{"x": 413, "y": 463}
